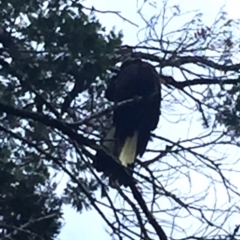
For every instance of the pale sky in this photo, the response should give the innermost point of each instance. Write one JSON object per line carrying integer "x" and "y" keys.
{"x": 88, "y": 225}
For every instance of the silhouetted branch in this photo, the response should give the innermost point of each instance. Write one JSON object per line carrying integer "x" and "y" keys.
{"x": 117, "y": 13}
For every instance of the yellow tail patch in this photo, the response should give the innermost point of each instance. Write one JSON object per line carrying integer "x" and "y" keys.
{"x": 128, "y": 152}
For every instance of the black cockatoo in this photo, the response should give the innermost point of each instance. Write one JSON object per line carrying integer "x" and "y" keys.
{"x": 132, "y": 122}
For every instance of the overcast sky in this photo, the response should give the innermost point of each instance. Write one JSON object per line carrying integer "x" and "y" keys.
{"x": 88, "y": 225}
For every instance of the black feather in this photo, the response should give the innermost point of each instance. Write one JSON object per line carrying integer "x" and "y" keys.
{"x": 135, "y": 79}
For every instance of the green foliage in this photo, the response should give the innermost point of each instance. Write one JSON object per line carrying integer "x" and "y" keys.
{"x": 50, "y": 48}
{"x": 50, "y": 52}
{"x": 230, "y": 115}
{"x": 227, "y": 106}
{"x": 28, "y": 208}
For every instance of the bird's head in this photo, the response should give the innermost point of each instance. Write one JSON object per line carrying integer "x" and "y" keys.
{"x": 130, "y": 61}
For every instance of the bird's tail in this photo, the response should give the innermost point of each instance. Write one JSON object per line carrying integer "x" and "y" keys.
{"x": 102, "y": 162}
{"x": 128, "y": 152}
{"x": 109, "y": 141}
{"x": 125, "y": 152}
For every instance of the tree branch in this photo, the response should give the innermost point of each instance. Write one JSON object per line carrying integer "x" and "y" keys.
{"x": 176, "y": 61}
{"x": 198, "y": 81}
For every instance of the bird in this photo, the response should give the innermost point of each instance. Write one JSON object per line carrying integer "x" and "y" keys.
{"x": 136, "y": 96}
